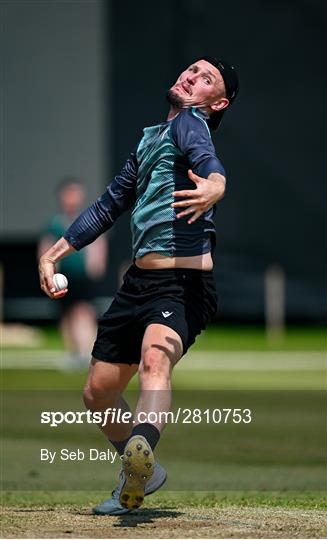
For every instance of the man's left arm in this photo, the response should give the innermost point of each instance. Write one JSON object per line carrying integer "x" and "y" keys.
{"x": 208, "y": 191}
{"x": 192, "y": 136}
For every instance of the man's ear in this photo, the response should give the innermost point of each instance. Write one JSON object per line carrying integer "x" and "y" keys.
{"x": 219, "y": 105}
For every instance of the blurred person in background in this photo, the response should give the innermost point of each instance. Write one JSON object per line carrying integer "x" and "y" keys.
{"x": 82, "y": 269}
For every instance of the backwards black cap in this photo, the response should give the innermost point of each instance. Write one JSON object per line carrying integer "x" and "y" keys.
{"x": 230, "y": 79}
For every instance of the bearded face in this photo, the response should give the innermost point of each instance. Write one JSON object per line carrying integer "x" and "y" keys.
{"x": 200, "y": 85}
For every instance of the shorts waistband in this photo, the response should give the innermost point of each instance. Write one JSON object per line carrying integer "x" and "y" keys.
{"x": 168, "y": 272}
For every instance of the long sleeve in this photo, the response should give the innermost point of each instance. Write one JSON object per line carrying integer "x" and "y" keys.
{"x": 191, "y": 134}
{"x": 119, "y": 196}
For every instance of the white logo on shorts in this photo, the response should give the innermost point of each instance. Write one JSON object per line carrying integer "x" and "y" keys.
{"x": 167, "y": 313}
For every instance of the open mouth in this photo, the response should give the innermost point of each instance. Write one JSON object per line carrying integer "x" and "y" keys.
{"x": 186, "y": 89}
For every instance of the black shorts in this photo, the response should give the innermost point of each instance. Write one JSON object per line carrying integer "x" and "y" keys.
{"x": 182, "y": 299}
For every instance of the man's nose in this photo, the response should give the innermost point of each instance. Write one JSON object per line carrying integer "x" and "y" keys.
{"x": 191, "y": 78}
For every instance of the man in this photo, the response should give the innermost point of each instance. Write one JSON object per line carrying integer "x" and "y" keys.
{"x": 78, "y": 317}
{"x": 168, "y": 294}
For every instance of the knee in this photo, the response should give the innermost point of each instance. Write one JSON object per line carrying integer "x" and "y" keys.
{"x": 82, "y": 310}
{"x": 97, "y": 396}
{"x": 154, "y": 363}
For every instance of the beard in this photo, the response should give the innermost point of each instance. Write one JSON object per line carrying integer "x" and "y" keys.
{"x": 174, "y": 99}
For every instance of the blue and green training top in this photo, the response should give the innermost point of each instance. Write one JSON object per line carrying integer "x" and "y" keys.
{"x": 157, "y": 167}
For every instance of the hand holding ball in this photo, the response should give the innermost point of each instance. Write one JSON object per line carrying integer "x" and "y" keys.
{"x": 60, "y": 282}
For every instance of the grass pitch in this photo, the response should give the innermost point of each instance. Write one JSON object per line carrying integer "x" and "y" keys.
{"x": 168, "y": 515}
{"x": 263, "y": 480}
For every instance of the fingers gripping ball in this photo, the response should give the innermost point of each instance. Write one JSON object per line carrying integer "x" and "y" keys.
{"x": 60, "y": 282}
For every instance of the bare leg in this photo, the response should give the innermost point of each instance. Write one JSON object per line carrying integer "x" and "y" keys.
{"x": 161, "y": 349}
{"x": 66, "y": 333}
{"x": 103, "y": 389}
{"x": 81, "y": 325}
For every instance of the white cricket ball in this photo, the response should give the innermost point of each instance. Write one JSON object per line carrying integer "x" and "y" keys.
{"x": 60, "y": 282}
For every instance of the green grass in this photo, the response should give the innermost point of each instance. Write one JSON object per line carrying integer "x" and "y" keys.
{"x": 282, "y": 448}
{"x": 229, "y": 338}
{"x": 253, "y": 338}
{"x": 176, "y": 499}
{"x": 34, "y": 379}
{"x": 278, "y": 460}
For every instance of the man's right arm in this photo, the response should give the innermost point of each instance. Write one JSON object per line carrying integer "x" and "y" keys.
{"x": 119, "y": 196}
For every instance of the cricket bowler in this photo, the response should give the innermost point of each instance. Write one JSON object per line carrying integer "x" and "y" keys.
{"x": 171, "y": 182}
